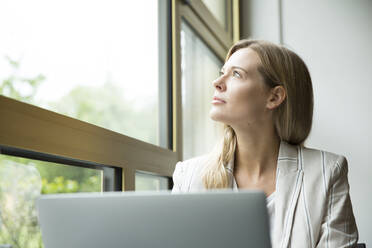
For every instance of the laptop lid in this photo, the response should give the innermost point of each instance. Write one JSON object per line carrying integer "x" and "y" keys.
{"x": 214, "y": 219}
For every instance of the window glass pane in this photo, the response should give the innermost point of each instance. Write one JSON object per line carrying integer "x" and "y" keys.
{"x": 200, "y": 67}
{"x": 218, "y": 9}
{"x": 22, "y": 181}
{"x": 97, "y": 61}
{"x": 146, "y": 181}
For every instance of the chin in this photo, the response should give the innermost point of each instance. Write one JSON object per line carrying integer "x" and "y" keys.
{"x": 215, "y": 116}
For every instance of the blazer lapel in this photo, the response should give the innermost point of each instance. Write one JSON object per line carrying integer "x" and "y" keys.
{"x": 288, "y": 184}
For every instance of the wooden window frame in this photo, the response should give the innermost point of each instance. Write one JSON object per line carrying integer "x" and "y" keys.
{"x": 37, "y": 131}
{"x": 225, "y": 36}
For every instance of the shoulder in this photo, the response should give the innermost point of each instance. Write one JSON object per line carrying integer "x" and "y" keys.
{"x": 186, "y": 170}
{"x": 324, "y": 198}
{"x": 196, "y": 163}
{"x": 316, "y": 161}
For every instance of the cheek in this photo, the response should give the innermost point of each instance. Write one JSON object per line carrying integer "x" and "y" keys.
{"x": 248, "y": 102}
{"x": 244, "y": 104}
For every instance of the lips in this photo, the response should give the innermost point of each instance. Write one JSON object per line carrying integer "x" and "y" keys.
{"x": 216, "y": 99}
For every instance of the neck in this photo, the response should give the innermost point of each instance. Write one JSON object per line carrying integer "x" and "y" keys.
{"x": 256, "y": 151}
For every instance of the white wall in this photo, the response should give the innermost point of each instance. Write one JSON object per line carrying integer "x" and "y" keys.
{"x": 259, "y": 19}
{"x": 334, "y": 38}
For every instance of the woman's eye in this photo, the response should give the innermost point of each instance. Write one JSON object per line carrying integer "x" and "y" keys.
{"x": 236, "y": 74}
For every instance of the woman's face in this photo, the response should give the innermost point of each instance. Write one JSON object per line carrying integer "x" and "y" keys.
{"x": 240, "y": 92}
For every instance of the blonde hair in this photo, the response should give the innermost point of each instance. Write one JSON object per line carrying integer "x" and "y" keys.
{"x": 292, "y": 118}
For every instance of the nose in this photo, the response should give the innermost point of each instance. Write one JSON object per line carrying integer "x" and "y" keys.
{"x": 219, "y": 84}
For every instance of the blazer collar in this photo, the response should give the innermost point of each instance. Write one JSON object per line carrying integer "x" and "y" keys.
{"x": 289, "y": 176}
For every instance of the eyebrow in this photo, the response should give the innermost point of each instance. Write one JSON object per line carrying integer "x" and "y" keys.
{"x": 235, "y": 67}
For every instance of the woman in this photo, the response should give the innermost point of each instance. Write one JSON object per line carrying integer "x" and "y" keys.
{"x": 264, "y": 97}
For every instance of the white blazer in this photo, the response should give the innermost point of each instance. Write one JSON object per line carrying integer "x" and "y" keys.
{"x": 312, "y": 202}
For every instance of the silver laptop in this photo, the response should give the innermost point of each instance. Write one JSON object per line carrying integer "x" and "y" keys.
{"x": 216, "y": 219}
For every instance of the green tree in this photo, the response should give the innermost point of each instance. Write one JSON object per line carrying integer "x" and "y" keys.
{"x": 20, "y": 185}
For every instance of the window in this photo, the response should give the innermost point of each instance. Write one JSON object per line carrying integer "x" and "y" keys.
{"x": 97, "y": 96}
{"x": 200, "y": 67}
{"x": 22, "y": 181}
{"x": 146, "y": 181}
{"x": 206, "y": 32}
{"x": 219, "y": 9}
{"x": 89, "y": 84}
{"x": 86, "y": 60}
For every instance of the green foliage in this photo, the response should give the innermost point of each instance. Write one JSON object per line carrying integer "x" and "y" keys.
{"x": 11, "y": 85}
{"x": 20, "y": 185}
{"x": 50, "y": 171}
{"x": 106, "y": 106}
{"x": 60, "y": 185}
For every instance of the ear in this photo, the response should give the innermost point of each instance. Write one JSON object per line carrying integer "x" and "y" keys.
{"x": 276, "y": 96}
